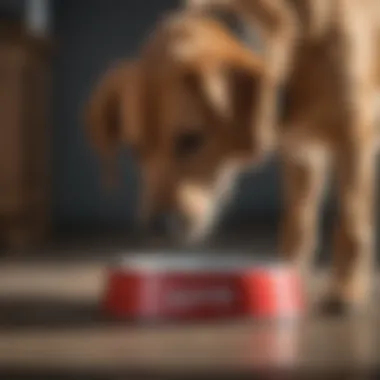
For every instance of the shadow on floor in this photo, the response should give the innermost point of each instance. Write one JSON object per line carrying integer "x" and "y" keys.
{"x": 49, "y": 313}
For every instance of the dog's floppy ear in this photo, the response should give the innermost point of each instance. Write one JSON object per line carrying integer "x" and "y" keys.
{"x": 112, "y": 115}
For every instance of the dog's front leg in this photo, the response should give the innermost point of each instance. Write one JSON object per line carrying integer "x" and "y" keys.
{"x": 354, "y": 235}
{"x": 353, "y": 254}
{"x": 303, "y": 184}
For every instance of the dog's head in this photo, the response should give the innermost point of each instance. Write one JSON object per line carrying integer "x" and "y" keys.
{"x": 187, "y": 109}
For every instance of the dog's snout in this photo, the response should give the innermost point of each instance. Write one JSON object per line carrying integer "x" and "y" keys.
{"x": 172, "y": 226}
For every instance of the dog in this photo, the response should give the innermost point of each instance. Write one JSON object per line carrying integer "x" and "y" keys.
{"x": 204, "y": 108}
{"x": 185, "y": 107}
{"x": 326, "y": 53}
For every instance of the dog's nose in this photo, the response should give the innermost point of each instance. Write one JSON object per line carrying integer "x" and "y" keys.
{"x": 170, "y": 226}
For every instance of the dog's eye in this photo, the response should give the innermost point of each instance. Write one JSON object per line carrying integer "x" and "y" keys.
{"x": 188, "y": 143}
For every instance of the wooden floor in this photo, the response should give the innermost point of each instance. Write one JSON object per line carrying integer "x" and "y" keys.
{"x": 50, "y": 325}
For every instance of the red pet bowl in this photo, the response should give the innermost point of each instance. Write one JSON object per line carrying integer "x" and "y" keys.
{"x": 191, "y": 287}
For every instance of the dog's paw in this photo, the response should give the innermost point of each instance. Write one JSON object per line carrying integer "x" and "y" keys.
{"x": 336, "y": 306}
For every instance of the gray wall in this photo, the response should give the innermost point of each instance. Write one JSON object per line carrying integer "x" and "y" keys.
{"x": 14, "y": 5}
{"x": 90, "y": 35}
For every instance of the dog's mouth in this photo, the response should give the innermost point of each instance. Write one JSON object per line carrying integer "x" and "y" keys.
{"x": 190, "y": 233}
{"x": 178, "y": 229}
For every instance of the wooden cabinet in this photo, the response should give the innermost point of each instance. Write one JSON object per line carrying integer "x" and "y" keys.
{"x": 24, "y": 140}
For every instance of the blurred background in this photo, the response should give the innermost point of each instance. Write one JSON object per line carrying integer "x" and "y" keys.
{"x": 52, "y": 52}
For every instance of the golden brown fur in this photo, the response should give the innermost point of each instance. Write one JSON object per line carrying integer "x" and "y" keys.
{"x": 325, "y": 52}
{"x": 110, "y": 112}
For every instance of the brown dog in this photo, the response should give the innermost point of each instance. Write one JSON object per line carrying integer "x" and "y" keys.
{"x": 186, "y": 106}
{"x": 327, "y": 53}
{"x": 198, "y": 106}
